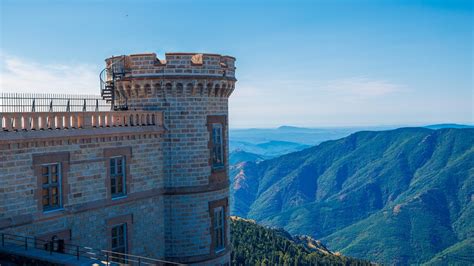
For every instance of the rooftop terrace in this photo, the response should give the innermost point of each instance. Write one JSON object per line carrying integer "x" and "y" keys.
{"x": 32, "y": 116}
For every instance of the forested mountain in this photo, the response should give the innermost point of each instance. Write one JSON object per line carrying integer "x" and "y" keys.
{"x": 399, "y": 196}
{"x": 254, "y": 244}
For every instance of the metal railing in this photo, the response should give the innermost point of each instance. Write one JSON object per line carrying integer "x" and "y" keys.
{"x": 104, "y": 257}
{"x": 114, "y": 71}
{"x": 43, "y": 102}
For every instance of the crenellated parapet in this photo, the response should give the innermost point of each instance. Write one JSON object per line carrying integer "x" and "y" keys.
{"x": 178, "y": 64}
{"x": 181, "y": 74}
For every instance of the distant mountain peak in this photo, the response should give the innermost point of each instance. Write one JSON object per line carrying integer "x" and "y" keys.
{"x": 448, "y": 125}
{"x": 290, "y": 127}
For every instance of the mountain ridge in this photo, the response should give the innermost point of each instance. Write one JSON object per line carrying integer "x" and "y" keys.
{"x": 379, "y": 173}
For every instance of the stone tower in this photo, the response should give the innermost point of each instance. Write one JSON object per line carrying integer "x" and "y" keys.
{"x": 192, "y": 91}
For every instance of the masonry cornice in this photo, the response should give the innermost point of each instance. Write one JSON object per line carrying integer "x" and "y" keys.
{"x": 9, "y": 140}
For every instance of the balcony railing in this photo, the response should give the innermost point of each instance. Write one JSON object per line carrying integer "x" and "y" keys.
{"x": 32, "y": 247}
{"x": 26, "y": 121}
{"x": 43, "y": 102}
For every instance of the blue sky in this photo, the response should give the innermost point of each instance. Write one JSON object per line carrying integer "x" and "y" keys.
{"x": 304, "y": 63}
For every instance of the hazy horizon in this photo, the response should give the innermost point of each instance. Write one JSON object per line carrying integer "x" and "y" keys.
{"x": 353, "y": 126}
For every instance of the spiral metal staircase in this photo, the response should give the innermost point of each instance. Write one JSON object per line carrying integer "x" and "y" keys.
{"x": 108, "y": 79}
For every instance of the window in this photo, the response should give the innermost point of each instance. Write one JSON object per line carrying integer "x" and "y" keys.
{"x": 51, "y": 172}
{"x": 118, "y": 162}
{"x": 51, "y": 186}
{"x": 219, "y": 228}
{"x": 120, "y": 229}
{"x": 117, "y": 177}
{"x": 119, "y": 242}
{"x": 217, "y": 146}
{"x": 218, "y": 224}
{"x": 119, "y": 238}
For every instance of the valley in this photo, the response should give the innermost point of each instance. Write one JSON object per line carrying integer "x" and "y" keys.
{"x": 396, "y": 196}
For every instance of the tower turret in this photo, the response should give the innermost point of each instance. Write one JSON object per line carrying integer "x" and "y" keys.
{"x": 192, "y": 90}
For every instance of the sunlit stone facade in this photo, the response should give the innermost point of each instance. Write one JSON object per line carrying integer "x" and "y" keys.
{"x": 151, "y": 180}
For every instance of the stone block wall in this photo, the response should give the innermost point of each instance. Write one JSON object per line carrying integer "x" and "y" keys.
{"x": 86, "y": 205}
{"x": 177, "y": 64}
{"x": 172, "y": 188}
{"x": 189, "y": 89}
{"x": 187, "y": 226}
{"x": 186, "y": 108}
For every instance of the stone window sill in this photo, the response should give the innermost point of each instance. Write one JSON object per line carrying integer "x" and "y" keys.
{"x": 119, "y": 197}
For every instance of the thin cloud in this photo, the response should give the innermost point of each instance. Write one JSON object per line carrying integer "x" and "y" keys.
{"x": 361, "y": 88}
{"x": 21, "y": 75}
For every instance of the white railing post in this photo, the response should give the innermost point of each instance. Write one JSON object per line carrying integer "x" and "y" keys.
{"x": 67, "y": 120}
{"x": 34, "y": 121}
{"x": 8, "y": 122}
{"x": 16, "y": 121}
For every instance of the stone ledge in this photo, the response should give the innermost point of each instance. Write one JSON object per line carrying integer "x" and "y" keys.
{"x": 31, "y": 136}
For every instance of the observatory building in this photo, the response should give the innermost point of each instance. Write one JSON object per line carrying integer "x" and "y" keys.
{"x": 136, "y": 176}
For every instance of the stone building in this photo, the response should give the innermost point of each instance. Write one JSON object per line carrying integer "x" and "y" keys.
{"x": 148, "y": 179}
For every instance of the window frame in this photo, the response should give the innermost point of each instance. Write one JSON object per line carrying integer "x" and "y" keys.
{"x": 126, "y": 153}
{"x": 219, "y": 216}
{"x": 221, "y": 205}
{"x": 115, "y": 221}
{"x": 218, "y": 175}
{"x": 40, "y": 159}
{"x": 113, "y": 175}
{"x": 125, "y": 238}
{"x": 49, "y": 186}
{"x": 217, "y": 145}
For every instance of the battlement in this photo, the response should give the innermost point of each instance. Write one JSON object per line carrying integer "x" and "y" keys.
{"x": 177, "y": 64}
